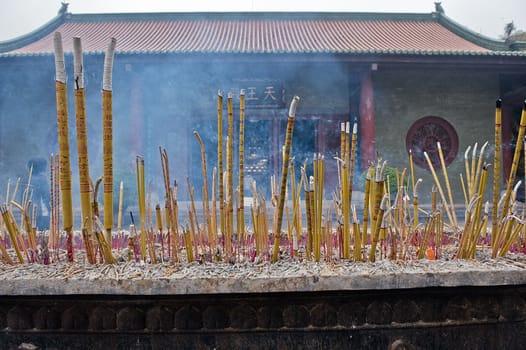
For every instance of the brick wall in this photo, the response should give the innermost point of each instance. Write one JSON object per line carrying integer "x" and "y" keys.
{"x": 465, "y": 99}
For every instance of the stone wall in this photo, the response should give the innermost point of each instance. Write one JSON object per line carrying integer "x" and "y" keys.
{"x": 427, "y": 318}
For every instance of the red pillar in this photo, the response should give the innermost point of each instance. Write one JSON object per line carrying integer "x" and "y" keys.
{"x": 367, "y": 140}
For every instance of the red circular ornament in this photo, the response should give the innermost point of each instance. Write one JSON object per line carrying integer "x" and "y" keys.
{"x": 423, "y": 136}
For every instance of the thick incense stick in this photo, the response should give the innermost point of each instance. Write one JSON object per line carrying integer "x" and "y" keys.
{"x": 346, "y": 212}
{"x": 308, "y": 210}
{"x": 514, "y": 166}
{"x": 496, "y": 169}
{"x": 375, "y": 233}
{"x": 82, "y": 141}
{"x": 107, "y": 132}
{"x": 284, "y": 171}
{"x": 354, "y": 142}
{"x": 63, "y": 143}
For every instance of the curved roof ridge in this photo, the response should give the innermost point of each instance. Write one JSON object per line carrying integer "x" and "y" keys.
{"x": 36, "y": 34}
{"x": 470, "y": 35}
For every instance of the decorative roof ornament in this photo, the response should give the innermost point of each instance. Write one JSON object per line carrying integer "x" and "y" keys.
{"x": 63, "y": 8}
{"x": 439, "y": 8}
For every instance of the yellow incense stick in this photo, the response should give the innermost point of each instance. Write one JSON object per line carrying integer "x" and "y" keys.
{"x": 82, "y": 140}
{"x": 496, "y": 169}
{"x": 284, "y": 171}
{"x": 448, "y": 186}
{"x": 107, "y": 133}
{"x": 229, "y": 176}
{"x": 440, "y": 191}
{"x": 63, "y": 143}
{"x": 515, "y": 162}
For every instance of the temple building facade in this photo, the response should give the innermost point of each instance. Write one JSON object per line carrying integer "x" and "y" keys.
{"x": 408, "y": 80}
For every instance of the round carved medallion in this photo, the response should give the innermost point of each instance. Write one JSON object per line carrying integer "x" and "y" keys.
{"x": 423, "y": 136}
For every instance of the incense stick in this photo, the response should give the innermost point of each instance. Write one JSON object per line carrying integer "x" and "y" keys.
{"x": 63, "y": 141}
{"x": 284, "y": 171}
{"x": 107, "y": 132}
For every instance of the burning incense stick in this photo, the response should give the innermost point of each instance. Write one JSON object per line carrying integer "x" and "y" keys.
{"x": 82, "y": 139}
{"x": 284, "y": 171}
{"x": 107, "y": 132}
{"x": 496, "y": 169}
{"x": 63, "y": 141}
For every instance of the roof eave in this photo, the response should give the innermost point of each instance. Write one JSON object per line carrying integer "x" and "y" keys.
{"x": 37, "y": 34}
{"x": 468, "y": 34}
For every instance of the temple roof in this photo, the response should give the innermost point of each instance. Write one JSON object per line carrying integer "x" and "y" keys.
{"x": 262, "y": 33}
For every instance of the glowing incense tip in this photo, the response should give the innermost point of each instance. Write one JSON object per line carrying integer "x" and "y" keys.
{"x": 230, "y": 95}
{"x": 77, "y": 64}
{"x": 498, "y": 103}
{"x": 438, "y": 145}
{"x": 60, "y": 67}
{"x": 242, "y": 92}
{"x": 347, "y": 127}
{"x": 342, "y": 126}
{"x": 220, "y": 93}
{"x": 355, "y": 128}
{"x": 293, "y": 106}
{"x": 108, "y": 65}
